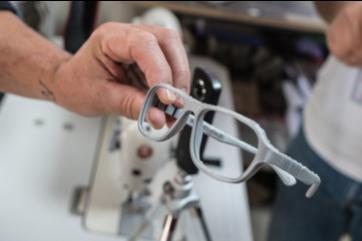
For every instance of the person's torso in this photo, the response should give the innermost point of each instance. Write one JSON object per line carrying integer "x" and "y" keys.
{"x": 333, "y": 117}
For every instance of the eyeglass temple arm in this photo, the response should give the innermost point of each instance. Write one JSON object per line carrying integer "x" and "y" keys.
{"x": 221, "y": 136}
{"x": 287, "y": 168}
{"x": 296, "y": 169}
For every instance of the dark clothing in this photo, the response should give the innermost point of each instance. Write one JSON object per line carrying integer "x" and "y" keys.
{"x": 6, "y": 5}
{"x": 335, "y": 209}
{"x": 80, "y": 25}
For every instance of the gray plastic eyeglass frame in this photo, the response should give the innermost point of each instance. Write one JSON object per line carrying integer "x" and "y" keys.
{"x": 192, "y": 114}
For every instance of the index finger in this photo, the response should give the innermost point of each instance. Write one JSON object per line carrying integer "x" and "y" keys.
{"x": 130, "y": 45}
{"x": 171, "y": 44}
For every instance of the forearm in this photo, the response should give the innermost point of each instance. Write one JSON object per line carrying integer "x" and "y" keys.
{"x": 27, "y": 60}
{"x": 329, "y": 9}
{"x": 95, "y": 80}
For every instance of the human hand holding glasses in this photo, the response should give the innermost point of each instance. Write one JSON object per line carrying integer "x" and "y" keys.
{"x": 191, "y": 112}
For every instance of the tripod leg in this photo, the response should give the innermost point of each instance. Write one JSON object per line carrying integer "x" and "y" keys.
{"x": 203, "y": 224}
{"x": 145, "y": 224}
{"x": 194, "y": 225}
{"x": 169, "y": 228}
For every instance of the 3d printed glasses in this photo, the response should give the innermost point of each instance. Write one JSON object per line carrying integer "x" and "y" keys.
{"x": 192, "y": 112}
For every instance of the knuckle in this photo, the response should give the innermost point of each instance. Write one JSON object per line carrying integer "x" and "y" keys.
{"x": 147, "y": 38}
{"x": 127, "y": 106}
{"x": 164, "y": 75}
{"x": 171, "y": 35}
{"x": 184, "y": 75}
{"x": 105, "y": 30}
{"x": 161, "y": 75}
{"x": 108, "y": 26}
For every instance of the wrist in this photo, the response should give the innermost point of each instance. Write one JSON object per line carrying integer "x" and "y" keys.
{"x": 49, "y": 86}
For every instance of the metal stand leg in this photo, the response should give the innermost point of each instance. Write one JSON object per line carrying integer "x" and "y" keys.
{"x": 171, "y": 222}
{"x": 203, "y": 224}
{"x": 169, "y": 228}
{"x": 178, "y": 197}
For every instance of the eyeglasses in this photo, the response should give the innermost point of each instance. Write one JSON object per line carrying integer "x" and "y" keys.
{"x": 191, "y": 112}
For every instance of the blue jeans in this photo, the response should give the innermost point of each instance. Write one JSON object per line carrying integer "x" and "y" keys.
{"x": 335, "y": 209}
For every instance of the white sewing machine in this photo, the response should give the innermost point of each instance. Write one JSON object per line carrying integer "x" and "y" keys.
{"x": 47, "y": 152}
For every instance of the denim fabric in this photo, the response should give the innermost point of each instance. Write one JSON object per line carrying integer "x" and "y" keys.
{"x": 335, "y": 209}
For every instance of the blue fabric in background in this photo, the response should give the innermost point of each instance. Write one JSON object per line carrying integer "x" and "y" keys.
{"x": 335, "y": 209}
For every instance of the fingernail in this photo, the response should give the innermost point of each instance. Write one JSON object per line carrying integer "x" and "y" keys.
{"x": 170, "y": 96}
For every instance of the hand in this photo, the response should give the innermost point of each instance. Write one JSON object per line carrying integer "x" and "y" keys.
{"x": 103, "y": 76}
{"x": 344, "y": 35}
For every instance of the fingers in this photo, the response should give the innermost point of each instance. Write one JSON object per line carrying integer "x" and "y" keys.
{"x": 157, "y": 51}
{"x": 156, "y": 117}
{"x": 121, "y": 99}
{"x": 175, "y": 53}
{"x": 344, "y": 35}
{"x": 130, "y": 45}
{"x": 160, "y": 56}
{"x": 127, "y": 101}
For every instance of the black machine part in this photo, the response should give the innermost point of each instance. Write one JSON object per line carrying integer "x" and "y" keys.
{"x": 205, "y": 87}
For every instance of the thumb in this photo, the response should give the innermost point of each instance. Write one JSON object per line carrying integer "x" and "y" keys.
{"x": 128, "y": 101}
